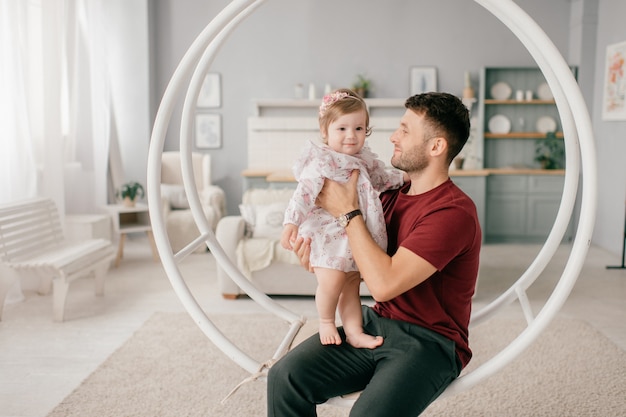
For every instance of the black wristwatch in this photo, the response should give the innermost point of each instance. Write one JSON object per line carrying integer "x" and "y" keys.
{"x": 344, "y": 219}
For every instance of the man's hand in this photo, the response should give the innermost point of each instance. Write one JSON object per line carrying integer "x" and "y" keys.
{"x": 339, "y": 198}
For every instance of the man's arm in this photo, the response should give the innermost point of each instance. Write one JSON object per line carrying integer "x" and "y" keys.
{"x": 386, "y": 276}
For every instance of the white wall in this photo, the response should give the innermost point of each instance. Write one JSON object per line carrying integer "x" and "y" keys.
{"x": 610, "y": 136}
{"x": 130, "y": 82}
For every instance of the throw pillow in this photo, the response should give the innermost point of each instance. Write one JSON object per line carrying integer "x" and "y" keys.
{"x": 249, "y": 216}
{"x": 266, "y": 220}
{"x": 269, "y": 220}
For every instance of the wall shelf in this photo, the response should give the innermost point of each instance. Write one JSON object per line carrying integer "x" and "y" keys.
{"x": 518, "y": 102}
{"x": 520, "y": 135}
{"x": 262, "y": 106}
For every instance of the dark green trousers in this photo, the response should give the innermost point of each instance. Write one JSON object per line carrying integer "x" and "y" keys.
{"x": 400, "y": 378}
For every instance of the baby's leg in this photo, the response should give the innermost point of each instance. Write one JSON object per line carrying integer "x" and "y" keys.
{"x": 352, "y": 317}
{"x": 329, "y": 285}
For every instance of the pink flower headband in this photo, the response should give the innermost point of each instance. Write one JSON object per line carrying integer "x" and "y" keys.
{"x": 331, "y": 98}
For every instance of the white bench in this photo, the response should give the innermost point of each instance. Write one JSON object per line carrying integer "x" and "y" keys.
{"x": 32, "y": 242}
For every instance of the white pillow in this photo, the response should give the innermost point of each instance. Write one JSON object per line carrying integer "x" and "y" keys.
{"x": 248, "y": 213}
{"x": 249, "y": 216}
{"x": 175, "y": 194}
{"x": 266, "y": 220}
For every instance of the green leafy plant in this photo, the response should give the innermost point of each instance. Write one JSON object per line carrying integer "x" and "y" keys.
{"x": 131, "y": 190}
{"x": 362, "y": 85}
{"x": 550, "y": 152}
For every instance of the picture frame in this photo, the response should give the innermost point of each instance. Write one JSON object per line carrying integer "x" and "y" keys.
{"x": 210, "y": 95}
{"x": 422, "y": 80}
{"x": 208, "y": 131}
{"x": 614, "y": 92}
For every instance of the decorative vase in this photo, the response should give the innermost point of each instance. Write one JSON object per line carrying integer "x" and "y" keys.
{"x": 362, "y": 92}
{"x": 311, "y": 91}
{"x": 468, "y": 91}
{"x": 127, "y": 202}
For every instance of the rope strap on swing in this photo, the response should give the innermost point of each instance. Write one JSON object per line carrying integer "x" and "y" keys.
{"x": 262, "y": 372}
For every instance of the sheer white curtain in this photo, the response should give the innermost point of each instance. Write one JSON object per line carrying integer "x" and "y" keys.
{"x": 89, "y": 91}
{"x": 54, "y": 102}
{"x": 18, "y": 174}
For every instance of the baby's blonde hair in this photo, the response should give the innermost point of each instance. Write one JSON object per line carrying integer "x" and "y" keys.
{"x": 340, "y": 102}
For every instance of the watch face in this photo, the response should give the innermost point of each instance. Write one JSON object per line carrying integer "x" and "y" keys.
{"x": 343, "y": 220}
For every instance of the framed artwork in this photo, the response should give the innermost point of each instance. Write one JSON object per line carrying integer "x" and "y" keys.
{"x": 614, "y": 100}
{"x": 210, "y": 95}
{"x": 208, "y": 131}
{"x": 422, "y": 80}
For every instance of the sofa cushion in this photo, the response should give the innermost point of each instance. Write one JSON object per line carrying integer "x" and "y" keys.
{"x": 175, "y": 194}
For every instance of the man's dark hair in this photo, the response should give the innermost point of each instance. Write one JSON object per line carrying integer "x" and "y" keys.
{"x": 445, "y": 116}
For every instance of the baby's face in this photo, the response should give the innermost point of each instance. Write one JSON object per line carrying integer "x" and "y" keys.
{"x": 347, "y": 133}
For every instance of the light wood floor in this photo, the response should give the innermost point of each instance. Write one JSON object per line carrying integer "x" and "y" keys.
{"x": 41, "y": 362}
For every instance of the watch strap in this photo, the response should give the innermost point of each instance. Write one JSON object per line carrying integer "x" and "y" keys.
{"x": 349, "y": 216}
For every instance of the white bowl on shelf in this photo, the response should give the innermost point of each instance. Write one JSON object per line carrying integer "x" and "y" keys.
{"x": 544, "y": 92}
{"x": 499, "y": 124}
{"x": 546, "y": 124}
{"x": 501, "y": 91}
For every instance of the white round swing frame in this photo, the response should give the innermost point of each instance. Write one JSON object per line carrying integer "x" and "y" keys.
{"x": 578, "y": 139}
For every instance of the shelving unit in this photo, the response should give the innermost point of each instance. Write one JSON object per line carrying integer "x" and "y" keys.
{"x": 522, "y": 199}
{"x": 500, "y": 150}
{"x": 279, "y": 128}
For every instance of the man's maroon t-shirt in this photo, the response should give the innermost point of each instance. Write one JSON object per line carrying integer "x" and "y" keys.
{"x": 442, "y": 227}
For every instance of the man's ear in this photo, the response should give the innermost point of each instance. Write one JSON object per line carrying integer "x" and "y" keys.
{"x": 439, "y": 146}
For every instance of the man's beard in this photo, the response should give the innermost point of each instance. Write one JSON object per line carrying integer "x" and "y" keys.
{"x": 413, "y": 160}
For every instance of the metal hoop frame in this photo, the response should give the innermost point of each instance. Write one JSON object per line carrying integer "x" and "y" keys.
{"x": 578, "y": 138}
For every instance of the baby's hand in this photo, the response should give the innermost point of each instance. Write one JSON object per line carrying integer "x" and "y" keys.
{"x": 289, "y": 235}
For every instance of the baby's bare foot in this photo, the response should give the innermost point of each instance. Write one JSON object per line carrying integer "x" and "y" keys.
{"x": 329, "y": 334}
{"x": 364, "y": 340}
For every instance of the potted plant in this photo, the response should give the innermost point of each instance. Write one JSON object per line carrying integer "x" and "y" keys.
{"x": 550, "y": 152}
{"x": 129, "y": 192}
{"x": 362, "y": 86}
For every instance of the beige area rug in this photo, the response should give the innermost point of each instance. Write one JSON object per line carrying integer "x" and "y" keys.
{"x": 169, "y": 368}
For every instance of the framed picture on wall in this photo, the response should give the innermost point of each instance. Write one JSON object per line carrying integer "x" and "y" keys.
{"x": 614, "y": 99}
{"x": 208, "y": 131}
{"x": 210, "y": 95}
{"x": 422, "y": 80}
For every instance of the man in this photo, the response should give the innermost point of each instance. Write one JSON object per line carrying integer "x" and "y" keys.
{"x": 422, "y": 286}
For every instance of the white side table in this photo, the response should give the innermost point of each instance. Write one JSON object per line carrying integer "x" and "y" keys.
{"x": 131, "y": 220}
{"x": 79, "y": 227}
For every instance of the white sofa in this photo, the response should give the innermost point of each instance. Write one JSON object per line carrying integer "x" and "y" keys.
{"x": 180, "y": 225}
{"x": 252, "y": 242}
